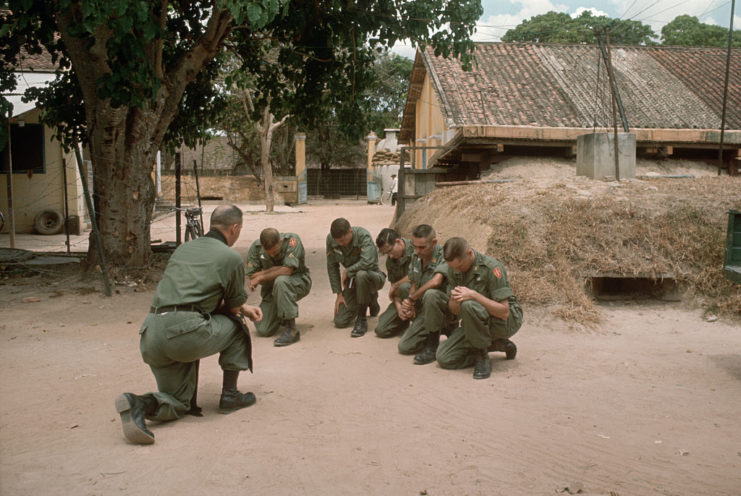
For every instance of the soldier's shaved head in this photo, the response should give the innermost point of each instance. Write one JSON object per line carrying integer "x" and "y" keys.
{"x": 226, "y": 215}
{"x": 269, "y": 237}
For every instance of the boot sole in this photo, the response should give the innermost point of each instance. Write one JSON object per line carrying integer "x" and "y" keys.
{"x": 227, "y": 411}
{"x": 130, "y": 430}
{"x": 287, "y": 343}
{"x": 423, "y": 361}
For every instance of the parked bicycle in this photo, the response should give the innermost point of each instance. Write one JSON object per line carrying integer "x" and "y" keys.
{"x": 193, "y": 226}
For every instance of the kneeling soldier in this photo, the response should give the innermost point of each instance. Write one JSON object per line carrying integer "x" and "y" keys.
{"x": 489, "y": 311}
{"x": 357, "y": 289}
{"x": 276, "y": 262}
{"x": 399, "y": 252}
{"x": 427, "y": 303}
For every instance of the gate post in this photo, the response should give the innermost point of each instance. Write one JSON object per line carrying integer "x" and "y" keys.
{"x": 373, "y": 189}
{"x": 301, "y": 177}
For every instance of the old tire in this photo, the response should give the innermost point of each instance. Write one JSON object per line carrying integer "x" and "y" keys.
{"x": 48, "y": 222}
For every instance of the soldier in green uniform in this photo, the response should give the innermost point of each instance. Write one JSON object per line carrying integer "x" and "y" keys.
{"x": 193, "y": 315}
{"x": 489, "y": 311}
{"x": 357, "y": 287}
{"x": 276, "y": 262}
{"x": 398, "y": 253}
{"x": 427, "y": 303}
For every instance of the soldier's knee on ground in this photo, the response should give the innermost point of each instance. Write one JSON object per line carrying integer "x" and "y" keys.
{"x": 444, "y": 360}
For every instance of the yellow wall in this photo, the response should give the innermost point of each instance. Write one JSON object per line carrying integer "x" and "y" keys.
{"x": 35, "y": 193}
{"x": 428, "y": 122}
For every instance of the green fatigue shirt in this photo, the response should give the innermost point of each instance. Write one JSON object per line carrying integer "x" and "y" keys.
{"x": 487, "y": 276}
{"x": 202, "y": 272}
{"x": 419, "y": 275}
{"x": 398, "y": 268}
{"x": 291, "y": 255}
{"x": 360, "y": 254}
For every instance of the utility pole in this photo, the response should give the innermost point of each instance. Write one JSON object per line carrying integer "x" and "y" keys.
{"x": 613, "y": 91}
{"x": 725, "y": 90}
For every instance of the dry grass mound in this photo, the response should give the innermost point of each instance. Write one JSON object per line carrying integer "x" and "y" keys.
{"x": 553, "y": 234}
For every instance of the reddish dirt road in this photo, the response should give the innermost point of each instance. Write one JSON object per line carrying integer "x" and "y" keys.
{"x": 646, "y": 404}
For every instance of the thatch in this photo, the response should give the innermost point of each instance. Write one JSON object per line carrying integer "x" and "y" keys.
{"x": 553, "y": 238}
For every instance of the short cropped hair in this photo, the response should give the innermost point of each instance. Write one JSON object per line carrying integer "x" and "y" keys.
{"x": 387, "y": 236}
{"x": 424, "y": 231}
{"x": 454, "y": 248}
{"x": 339, "y": 228}
{"x": 269, "y": 237}
{"x": 225, "y": 216}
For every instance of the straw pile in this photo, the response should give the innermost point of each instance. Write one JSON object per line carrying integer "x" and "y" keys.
{"x": 554, "y": 235}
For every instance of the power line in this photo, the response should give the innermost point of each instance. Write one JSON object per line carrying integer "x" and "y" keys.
{"x": 628, "y": 9}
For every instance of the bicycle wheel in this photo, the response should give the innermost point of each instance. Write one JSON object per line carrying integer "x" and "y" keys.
{"x": 189, "y": 232}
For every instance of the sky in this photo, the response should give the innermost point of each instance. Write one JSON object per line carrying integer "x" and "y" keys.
{"x": 502, "y": 15}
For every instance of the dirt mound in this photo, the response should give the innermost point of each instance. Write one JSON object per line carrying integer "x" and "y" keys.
{"x": 554, "y": 230}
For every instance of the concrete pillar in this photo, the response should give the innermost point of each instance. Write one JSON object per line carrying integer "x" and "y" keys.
{"x": 595, "y": 155}
{"x": 372, "y": 139}
{"x": 302, "y": 192}
{"x": 373, "y": 186}
{"x": 300, "y": 153}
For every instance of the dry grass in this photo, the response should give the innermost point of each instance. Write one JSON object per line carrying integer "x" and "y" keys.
{"x": 553, "y": 237}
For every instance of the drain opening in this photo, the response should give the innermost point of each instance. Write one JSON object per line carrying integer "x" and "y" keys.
{"x": 616, "y": 287}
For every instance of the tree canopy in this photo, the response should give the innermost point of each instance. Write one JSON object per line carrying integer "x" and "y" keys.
{"x": 133, "y": 75}
{"x": 558, "y": 27}
{"x": 689, "y": 31}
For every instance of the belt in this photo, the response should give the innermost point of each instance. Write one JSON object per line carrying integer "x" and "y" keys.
{"x": 174, "y": 308}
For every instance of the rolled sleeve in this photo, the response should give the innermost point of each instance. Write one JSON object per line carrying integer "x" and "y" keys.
{"x": 253, "y": 259}
{"x": 235, "y": 295}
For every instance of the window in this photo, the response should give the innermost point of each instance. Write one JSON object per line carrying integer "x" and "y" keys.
{"x": 27, "y": 146}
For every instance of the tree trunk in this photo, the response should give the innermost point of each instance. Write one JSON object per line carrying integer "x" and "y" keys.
{"x": 124, "y": 141}
{"x": 123, "y": 191}
{"x": 266, "y": 139}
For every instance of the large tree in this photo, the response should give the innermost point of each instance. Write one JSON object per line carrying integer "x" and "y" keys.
{"x": 136, "y": 74}
{"x": 689, "y": 31}
{"x": 558, "y": 27}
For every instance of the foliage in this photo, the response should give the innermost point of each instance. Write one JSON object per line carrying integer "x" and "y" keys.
{"x": 689, "y": 31}
{"x": 139, "y": 73}
{"x": 558, "y": 27}
{"x": 388, "y": 92}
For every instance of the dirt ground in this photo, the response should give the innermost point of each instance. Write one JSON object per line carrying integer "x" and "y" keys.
{"x": 646, "y": 404}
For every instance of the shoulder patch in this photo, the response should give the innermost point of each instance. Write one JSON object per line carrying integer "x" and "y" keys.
{"x": 292, "y": 242}
{"x": 497, "y": 272}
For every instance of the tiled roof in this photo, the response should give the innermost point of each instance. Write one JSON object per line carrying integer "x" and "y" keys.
{"x": 527, "y": 84}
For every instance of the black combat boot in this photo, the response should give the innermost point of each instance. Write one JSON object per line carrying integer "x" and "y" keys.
{"x": 375, "y": 308}
{"x": 482, "y": 366}
{"x": 232, "y": 400}
{"x": 428, "y": 353}
{"x": 505, "y": 345}
{"x": 361, "y": 323}
{"x": 133, "y": 410}
{"x": 290, "y": 334}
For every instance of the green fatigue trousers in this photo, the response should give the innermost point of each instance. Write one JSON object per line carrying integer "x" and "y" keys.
{"x": 364, "y": 284}
{"x": 171, "y": 343}
{"x": 279, "y": 301}
{"x": 389, "y": 322}
{"x": 478, "y": 330}
{"x": 431, "y": 317}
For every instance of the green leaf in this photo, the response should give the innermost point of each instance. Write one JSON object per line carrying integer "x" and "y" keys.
{"x": 255, "y": 15}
